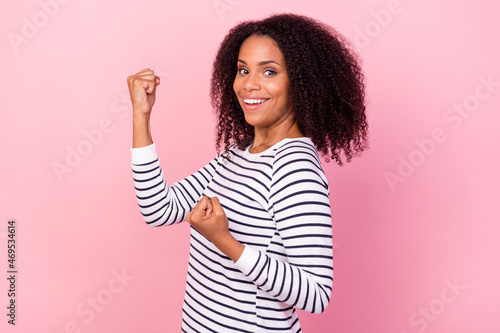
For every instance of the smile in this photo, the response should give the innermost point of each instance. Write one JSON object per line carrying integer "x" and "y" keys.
{"x": 255, "y": 101}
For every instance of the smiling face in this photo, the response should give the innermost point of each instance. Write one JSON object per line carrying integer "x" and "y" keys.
{"x": 262, "y": 85}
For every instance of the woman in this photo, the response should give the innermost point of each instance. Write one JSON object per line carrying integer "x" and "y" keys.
{"x": 283, "y": 89}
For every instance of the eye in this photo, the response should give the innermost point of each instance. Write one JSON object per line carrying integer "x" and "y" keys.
{"x": 242, "y": 71}
{"x": 269, "y": 72}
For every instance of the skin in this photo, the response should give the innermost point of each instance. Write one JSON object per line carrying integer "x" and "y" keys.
{"x": 142, "y": 89}
{"x": 261, "y": 74}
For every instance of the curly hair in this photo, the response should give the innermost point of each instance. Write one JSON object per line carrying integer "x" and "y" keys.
{"x": 326, "y": 85}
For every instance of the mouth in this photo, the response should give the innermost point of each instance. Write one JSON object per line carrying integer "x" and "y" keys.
{"x": 254, "y": 103}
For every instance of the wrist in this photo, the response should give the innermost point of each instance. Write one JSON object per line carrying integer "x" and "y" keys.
{"x": 141, "y": 130}
{"x": 140, "y": 116}
{"x": 230, "y": 247}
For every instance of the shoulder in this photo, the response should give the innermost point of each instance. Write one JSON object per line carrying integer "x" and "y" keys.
{"x": 298, "y": 159}
{"x": 296, "y": 151}
{"x": 230, "y": 151}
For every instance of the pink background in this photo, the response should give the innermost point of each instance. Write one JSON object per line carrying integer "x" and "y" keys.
{"x": 416, "y": 218}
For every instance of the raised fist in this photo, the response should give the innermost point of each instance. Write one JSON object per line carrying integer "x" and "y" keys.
{"x": 142, "y": 88}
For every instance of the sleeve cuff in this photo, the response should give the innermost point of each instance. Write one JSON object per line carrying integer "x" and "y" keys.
{"x": 247, "y": 260}
{"x": 144, "y": 154}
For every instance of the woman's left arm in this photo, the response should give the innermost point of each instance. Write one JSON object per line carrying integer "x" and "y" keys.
{"x": 303, "y": 276}
{"x": 301, "y": 205}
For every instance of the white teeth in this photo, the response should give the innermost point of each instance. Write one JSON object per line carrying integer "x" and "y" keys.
{"x": 254, "y": 101}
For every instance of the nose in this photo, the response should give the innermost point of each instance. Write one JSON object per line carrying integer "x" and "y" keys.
{"x": 251, "y": 82}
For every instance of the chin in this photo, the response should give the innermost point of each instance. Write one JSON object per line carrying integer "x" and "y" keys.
{"x": 252, "y": 119}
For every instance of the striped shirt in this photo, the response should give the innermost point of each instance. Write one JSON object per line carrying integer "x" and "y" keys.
{"x": 277, "y": 204}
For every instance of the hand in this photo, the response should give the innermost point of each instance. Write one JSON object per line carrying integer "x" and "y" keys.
{"x": 209, "y": 219}
{"x": 142, "y": 88}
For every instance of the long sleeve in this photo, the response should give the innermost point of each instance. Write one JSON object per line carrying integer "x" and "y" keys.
{"x": 297, "y": 268}
{"x": 277, "y": 205}
{"x": 159, "y": 203}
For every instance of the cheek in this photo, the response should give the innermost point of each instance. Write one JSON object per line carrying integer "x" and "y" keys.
{"x": 278, "y": 88}
{"x": 236, "y": 84}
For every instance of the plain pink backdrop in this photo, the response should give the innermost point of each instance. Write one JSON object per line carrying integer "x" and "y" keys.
{"x": 416, "y": 218}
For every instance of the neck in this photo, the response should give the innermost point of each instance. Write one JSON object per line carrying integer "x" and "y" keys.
{"x": 266, "y": 138}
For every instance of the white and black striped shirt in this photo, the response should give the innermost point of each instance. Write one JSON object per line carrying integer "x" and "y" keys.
{"x": 277, "y": 204}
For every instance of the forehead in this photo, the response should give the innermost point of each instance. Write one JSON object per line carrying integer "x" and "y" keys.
{"x": 258, "y": 48}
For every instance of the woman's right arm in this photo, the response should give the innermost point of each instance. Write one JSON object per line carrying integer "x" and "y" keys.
{"x": 159, "y": 203}
{"x": 142, "y": 88}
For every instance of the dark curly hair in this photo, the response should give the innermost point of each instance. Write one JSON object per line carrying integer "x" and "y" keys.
{"x": 326, "y": 85}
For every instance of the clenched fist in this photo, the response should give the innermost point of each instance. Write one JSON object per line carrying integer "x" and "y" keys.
{"x": 142, "y": 88}
{"x": 209, "y": 219}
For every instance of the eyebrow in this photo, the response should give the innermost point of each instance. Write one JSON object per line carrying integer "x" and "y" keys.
{"x": 265, "y": 62}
